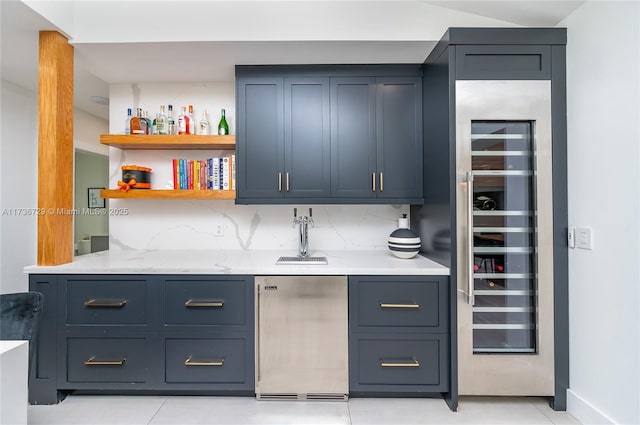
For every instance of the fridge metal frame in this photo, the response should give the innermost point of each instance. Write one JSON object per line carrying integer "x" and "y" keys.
{"x": 530, "y": 374}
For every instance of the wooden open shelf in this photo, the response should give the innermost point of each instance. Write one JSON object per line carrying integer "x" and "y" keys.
{"x": 168, "y": 194}
{"x": 144, "y": 142}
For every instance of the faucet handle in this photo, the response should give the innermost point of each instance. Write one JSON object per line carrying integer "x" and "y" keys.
{"x": 311, "y": 217}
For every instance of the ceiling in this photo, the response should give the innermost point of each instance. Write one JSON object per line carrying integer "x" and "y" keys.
{"x": 99, "y": 64}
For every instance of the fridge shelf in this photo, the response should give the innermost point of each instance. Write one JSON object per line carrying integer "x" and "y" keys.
{"x": 500, "y": 212}
{"x": 502, "y": 292}
{"x": 502, "y": 229}
{"x": 479, "y": 136}
{"x": 502, "y": 275}
{"x": 500, "y": 153}
{"x": 502, "y": 250}
{"x": 493, "y": 173}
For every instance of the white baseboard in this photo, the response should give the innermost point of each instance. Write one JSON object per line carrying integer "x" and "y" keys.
{"x": 586, "y": 412}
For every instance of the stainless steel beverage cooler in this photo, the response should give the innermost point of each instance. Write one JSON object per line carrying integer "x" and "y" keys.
{"x": 504, "y": 237}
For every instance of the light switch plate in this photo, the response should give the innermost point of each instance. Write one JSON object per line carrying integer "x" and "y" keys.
{"x": 584, "y": 238}
{"x": 571, "y": 237}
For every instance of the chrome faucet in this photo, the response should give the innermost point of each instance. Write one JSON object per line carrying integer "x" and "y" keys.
{"x": 303, "y": 238}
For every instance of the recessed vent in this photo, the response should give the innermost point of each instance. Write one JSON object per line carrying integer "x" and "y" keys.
{"x": 303, "y": 397}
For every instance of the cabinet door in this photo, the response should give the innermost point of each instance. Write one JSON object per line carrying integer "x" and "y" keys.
{"x": 353, "y": 137}
{"x": 306, "y": 135}
{"x": 399, "y": 136}
{"x": 260, "y": 138}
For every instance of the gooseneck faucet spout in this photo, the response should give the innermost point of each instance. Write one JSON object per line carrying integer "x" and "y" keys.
{"x": 303, "y": 223}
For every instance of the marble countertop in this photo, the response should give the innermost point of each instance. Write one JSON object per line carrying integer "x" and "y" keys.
{"x": 258, "y": 262}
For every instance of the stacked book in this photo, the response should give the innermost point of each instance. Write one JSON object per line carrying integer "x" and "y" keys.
{"x": 205, "y": 174}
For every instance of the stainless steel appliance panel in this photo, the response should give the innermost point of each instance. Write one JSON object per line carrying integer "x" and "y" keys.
{"x": 302, "y": 337}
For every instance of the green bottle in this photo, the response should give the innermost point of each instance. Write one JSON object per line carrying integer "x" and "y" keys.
{"x": 223, "y": 127}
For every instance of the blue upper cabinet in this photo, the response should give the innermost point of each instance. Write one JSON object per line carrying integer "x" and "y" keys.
{"x": 329, "y": 134}
{"x": 260, "y": 156}
{"x": 307, "y": 166}
{"x": 399, "y": 137}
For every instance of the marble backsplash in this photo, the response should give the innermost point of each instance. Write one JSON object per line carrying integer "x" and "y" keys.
{"x": 220, "y": 224}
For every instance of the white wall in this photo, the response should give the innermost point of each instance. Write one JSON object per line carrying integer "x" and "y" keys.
{"x": 18, "y": 190}
{"x": 604, "y": 194}
{"x": 19, "y": 179}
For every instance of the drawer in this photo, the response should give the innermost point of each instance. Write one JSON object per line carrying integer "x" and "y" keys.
{"x": 107, "y": 360}
{"x": 205, "y": 302}
{"x": 106, "y": 302}
{"x": 211, "y": 360}
{"x": 398, "y": 302}
{"x": 390, "y": 360}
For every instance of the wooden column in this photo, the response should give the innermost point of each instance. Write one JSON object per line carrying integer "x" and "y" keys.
{"x": 55, "y": 150}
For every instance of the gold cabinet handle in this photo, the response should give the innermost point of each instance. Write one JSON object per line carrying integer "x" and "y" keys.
{"x": 105, "y": 303}
{"x": 381, "y": 182}
{"x": 408, "y": 363}
{"x": 203, "y": 303}
{"x": 279, "y": 182}
{"x": 190, "y": 362}
{"x": 287, "y": 182}
{"x": 390, "y": 305}
{"x": 373, "y": 181}
{"x": 91, "y": 361}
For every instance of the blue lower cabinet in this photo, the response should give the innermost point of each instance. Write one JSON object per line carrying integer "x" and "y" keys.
{"x": 210, "y": 360}
{"x": 144, "y": 333}
{"x": 106, "y": 360}
{"x": 406, "y": 363}
{"x": 398, "y": 335}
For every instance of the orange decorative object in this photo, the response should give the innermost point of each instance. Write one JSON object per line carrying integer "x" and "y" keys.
{"x": 135, "y": 177}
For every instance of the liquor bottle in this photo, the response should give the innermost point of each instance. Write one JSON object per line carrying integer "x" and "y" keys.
{"x": 183, "y": 122}
{"x": 154, "y": 125}
{"x": 204, "y": 124}
{"x": 127, "y": 122}
{"x": 161, "y": 124}
{"x": 192, "y": 121}
{"x": 171, "y": 123}
{"x": 145, "y": 115}
{"x": 139, "y": 124}
{"x": 223, "y": 127}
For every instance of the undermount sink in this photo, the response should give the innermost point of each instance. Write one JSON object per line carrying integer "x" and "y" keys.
{"x": 302, "y": 260}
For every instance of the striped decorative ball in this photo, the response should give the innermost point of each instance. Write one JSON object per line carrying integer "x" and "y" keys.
{"x": 404, "y": 243}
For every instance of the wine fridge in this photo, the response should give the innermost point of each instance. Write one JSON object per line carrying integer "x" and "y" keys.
{"x": 504, "y": 237}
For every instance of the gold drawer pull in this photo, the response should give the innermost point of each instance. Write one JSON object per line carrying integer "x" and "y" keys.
{"x": 203, "y": 303}
{"x": 390, "y": 305}
{"x": 91, "y": 361}
{"x": 408, "y": 363}
{"x": 105, "y": 303}
{"x": 189, "y": 362}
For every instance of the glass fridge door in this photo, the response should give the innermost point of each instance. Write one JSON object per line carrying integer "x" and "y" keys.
{"x": 503, "y": 238}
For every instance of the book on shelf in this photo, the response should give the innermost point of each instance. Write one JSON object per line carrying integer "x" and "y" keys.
{"x": 215, "y": 173}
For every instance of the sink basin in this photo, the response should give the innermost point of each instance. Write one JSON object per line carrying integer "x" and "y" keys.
{"x": 302, "y": 260}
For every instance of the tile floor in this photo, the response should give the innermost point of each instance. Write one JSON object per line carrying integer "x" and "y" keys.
{"x": 184, "y": 410}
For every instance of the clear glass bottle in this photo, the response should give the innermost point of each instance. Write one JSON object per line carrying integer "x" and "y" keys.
{"x": 171, "y": 123}
{"x": 192, "y": 121}
{"x": 161, "y": 124}
{"x": 204, "y": 124}
{"x": 145, "y": 115}
{"x": 223, "y": 127}
{"x": 127, "y": 122}
{"x": 183, "y": 122}
{"x": 154, "y": 125}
